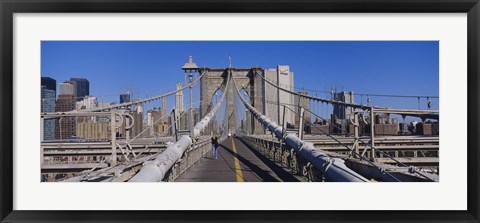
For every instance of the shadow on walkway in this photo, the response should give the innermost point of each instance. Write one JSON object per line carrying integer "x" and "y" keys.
{"x": 263, "y": 174}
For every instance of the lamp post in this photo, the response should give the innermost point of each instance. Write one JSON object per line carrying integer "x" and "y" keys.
{"x": 190, "y": 69}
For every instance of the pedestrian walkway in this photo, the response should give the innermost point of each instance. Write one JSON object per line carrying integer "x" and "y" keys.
{"x": 236, "y": 163}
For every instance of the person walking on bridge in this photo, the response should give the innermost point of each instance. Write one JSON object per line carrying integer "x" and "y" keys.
{"x": 214, "y": 145}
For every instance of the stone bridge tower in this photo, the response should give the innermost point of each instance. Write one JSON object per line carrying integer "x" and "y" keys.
{"x": 216, "y": 78}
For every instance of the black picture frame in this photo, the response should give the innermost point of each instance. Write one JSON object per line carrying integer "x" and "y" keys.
{"x": 9, "y": 7}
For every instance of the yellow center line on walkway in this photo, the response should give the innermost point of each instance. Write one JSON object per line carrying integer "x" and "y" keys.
{"x": 238, "y": 169}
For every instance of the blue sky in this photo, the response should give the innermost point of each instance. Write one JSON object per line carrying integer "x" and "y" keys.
{"x": 149, "y": 68}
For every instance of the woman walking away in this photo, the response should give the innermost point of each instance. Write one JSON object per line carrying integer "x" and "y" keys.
{"x": 214, "y": 145}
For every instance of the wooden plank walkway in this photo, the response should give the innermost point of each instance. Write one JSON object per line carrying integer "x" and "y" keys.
{"x": 236, "y": 162}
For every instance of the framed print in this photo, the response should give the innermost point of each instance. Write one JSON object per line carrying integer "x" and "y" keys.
{"x": 239, "y": 111}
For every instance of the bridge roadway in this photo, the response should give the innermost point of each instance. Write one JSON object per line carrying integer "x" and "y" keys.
{"x": 236, "y": 162}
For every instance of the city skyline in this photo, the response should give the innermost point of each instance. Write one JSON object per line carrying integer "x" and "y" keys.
{"x": 145, "y": 68}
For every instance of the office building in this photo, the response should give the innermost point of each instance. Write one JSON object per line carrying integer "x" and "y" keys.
{"x": 301, "y": 102}
{"x": 48, "y": 105}
{"x": 164, "y": 105}
{"x": 65, "y": 127}
{"x": 103, "y": 104}
{"x": 179, "y": 99}
{"x": 184, "y": 121}
{"x": 66, "y": 88}
{"x": 427, "y": 128}
{"x": 139, "y": 107}
{"x": 99, "y": 128}
{"x": 81, "y": 87}
{"x": 341, "y": 111}
{"x": 88, "y": 102}
{"x": 50, "y": 84}
{"x": 124, "y": 98}
{"x": 179, "y": 110}
{"x": 283, "y": 77}
{"x": 137, "y": 127}
{"x": 94, "y": 130}
{"x": 158, "y": 121}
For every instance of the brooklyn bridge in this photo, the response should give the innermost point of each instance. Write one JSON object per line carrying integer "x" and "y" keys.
{"x": 268, "y": 131}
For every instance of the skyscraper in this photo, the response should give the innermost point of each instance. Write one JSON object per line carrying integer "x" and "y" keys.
{"x": 159, "y": 121}
{"x": 164, "y": 109}
{"x": 124, "y": 98}
{"x": 164, "y": 105}
{"x": 340, "y": 111}
{"x": 283, "y": 77}
{"x": 179, "y": 99}
{"x": 50, "y": 84}
{"x": 304, "y": 103}
{"x": 179, "y": 109}
{"x": 66, "y": 88}
{"x": 48, "y": 105}
{"x": 81, "y": 87}
{"x": 88, "y": 102}
{"x": 65, "y": 127}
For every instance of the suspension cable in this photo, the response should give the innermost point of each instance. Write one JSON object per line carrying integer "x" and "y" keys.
{"x": 364, "y": 158}
{"x": 375, "y": 95}
{"x": 353, "y": 105}
{"x": 126, "y": 104}
{"x": 339, "y": 171}
{"x": 344, "y": 145}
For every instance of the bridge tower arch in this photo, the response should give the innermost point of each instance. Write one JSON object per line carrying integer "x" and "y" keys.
{"x": 246, "y": 78}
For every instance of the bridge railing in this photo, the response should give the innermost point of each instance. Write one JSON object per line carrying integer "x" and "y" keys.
{"x": 156, "y": 170}
{"x": 367, "y": 155}
{"x": 286, "y": 157}
{"x": 432, "y": 114}
{"x": 333, "y": 169}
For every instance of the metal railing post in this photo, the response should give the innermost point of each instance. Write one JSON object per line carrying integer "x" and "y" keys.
{"x": 41, "y": 138}
{"x": 113, "y": 159}
{"x": 356, "y": 135}
{"x": 60, "y": 127}
{"x": 372, "y": 132}
{"x": 284, "y": 124}
{"x": 301, "y": 124}
{"x": 175, "y": 127}
{"x": 284, "y": 132}
{"x": 127, "y": 130}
